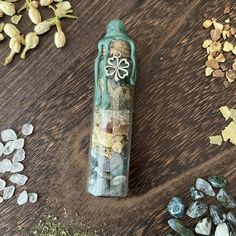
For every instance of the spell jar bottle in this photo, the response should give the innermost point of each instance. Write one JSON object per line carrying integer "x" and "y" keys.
{"x": 110, "y": 142}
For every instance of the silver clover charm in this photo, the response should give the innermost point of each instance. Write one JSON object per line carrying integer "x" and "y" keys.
{"x": 117, "y": 67}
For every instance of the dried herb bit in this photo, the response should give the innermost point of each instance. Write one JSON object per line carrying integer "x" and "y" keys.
{"x": 217, "y": 139}
{"x": 16, "y": 19}
{"x": 49, "y": 225}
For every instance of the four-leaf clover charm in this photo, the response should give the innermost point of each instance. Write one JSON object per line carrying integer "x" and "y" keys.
{"x": 117, "y": 68}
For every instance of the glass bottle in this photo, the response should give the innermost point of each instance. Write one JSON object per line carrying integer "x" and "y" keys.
{"x": 110, "y": 142}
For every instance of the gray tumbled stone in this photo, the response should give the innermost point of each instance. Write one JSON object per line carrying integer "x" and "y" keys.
{"x": 217, "y": 181}
{"x": 203, "y": 227}
{"x": 203, "y": 186}
{"x": 197, "y": 209}
{"x": 176, "y": 207}
{"x": 225, "y": 199}
{"x": 178, "y": 226}
{"x": 231, "y": 218}
{"x": 196, "y": 194}
{"x": 217, "y": 215}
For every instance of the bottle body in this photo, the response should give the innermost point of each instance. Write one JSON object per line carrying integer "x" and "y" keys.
{"x": 110, "y": 141}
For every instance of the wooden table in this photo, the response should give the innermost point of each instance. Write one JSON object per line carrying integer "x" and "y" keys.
{"x": 176, "y": 111}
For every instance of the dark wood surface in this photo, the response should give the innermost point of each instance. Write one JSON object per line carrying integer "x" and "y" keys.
{"x": 176, "y": 111}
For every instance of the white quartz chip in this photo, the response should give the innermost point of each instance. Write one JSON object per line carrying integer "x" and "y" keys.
{"x": 2, "y": 184}
{"x": 8, "y": 192}
{"x": 19, "y": 156}
{"x": 1, "y": 148}
{"x": 8, "y": 135}
{"x": 33, "y": 197}
{"x": 27, "y": 129}
{"x": 16, "y": 167}
{"x": 19, "y": 143}
{"x": 6, "y": 163}
{"x": 22, "y": 198}
{"x": 8, "y": 148}
{"x": 18, "y": 179}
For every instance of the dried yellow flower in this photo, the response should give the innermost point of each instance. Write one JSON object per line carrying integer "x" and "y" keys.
{"x": 7, "y": 8}
{"x": 228, "y": 47}
{"x": 117, "y": 147}
{"x": 208, "y": 71}
{"x": 231, "y": 75}
{"x": 217, "y": 139}
{"x": 220, "y": 58}
{"x": 15, "y": 19}
{"x": 60, "y": 39}
{"x": 31, "y": 41}
{"x": 234, "y": 50}
{"x": 207, "y": 23}
{"x": 42, "y": 27}
{"x": 1, "y": 37}
{"x": 34, "y": 14}
{"x": 207, "y": 43}
{"x": 11, "y": 30}
{"x": 217, "y": 25}
{"x": 234, "y": 66}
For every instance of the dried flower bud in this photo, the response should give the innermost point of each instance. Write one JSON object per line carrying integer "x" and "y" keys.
{"x": 31, "y": 41}
{"x": 34, "y": 14}
{"x": 9, "y": 59}
{"x": 15, "y": 19}
{"x": 64, "y": 6}
{"x": 35, "y": 4}
{"x": 60, "y": 39}
{"x": 42, "y": 27}
{"x": 11, "y": 30}
{"x": 1, "y": 27}
{"x": 1, "y": 37}
{"x": 1, "y": 13}
{"x": 15, "y": 45}
{"x": 8, "y": 8}
{"x": 44, "y": 3}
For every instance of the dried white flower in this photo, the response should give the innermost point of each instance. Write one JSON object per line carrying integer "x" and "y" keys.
{"x": 1, "y": 27}
{"x": 60, "y": 39}
{"x": 44, "y": 3}
{"x": 42, "y": 27}
{"x": 31, "y": 41}
{"x": 8, "y": 8}
{"x": 34, "y": 14}
{"x": 11, "y": 30}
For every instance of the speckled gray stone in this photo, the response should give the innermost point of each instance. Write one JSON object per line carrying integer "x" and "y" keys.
{"x": 203, "y": 186}
{"x": 225, "y": 199}
{"x": 176, "y": 207}
{"x": 197, "y": 209}
{"x": 217, "y": 214}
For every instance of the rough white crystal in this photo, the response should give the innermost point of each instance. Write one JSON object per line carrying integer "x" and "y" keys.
{"x": 22, "y": 198}
{"x": 6, "y": 164}
{"x": 1, "y": 148}
{"x": 2, "y": 184}
{"x": 18, "y": 179}
{"x": 19, "y": 156}
{"x": 19, "y": 143}
{"x": 8, "y": 134}
{"x": 8, "y": 148}
{"x": 222, "y": 230}
{"x": 16, "y": 167}
{"x": 2, "y": 168}
{"x": 33, "y": 197}
{"x": 27, "y": 129}
{"x": 8, "y": 192}
{"x": 1, "y": 199}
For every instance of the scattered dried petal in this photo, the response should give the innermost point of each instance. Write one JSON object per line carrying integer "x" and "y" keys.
{"x": 218, "y": 74}
{"x": 208, "y": 71}
{"x": 215, "y": 34}
{"x": 231, "y": 75}
{"x": 228, "y": 47}
{"x": 217, "y": 25}
{"x": 207, "y": 24}
{"x": 212, "y": 64}
{"x": 16, "y": 19}
{"x": 217, "y": 139}
{"x": 225, "y": 112}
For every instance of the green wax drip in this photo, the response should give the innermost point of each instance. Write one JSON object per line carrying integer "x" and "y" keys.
{"x": 115, "y": 31}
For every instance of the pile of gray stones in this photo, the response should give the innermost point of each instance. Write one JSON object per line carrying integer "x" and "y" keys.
{"x": 12, "y": 155}
{"x": 223, "y": 218}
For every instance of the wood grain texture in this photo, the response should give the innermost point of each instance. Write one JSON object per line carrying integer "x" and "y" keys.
{"x": 176, "y": 111}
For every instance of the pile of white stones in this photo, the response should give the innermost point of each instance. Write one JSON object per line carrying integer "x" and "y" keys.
{"x": 15, "y": 146}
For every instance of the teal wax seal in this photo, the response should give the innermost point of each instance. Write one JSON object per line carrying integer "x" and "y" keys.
{"x": 115, "y": 31}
